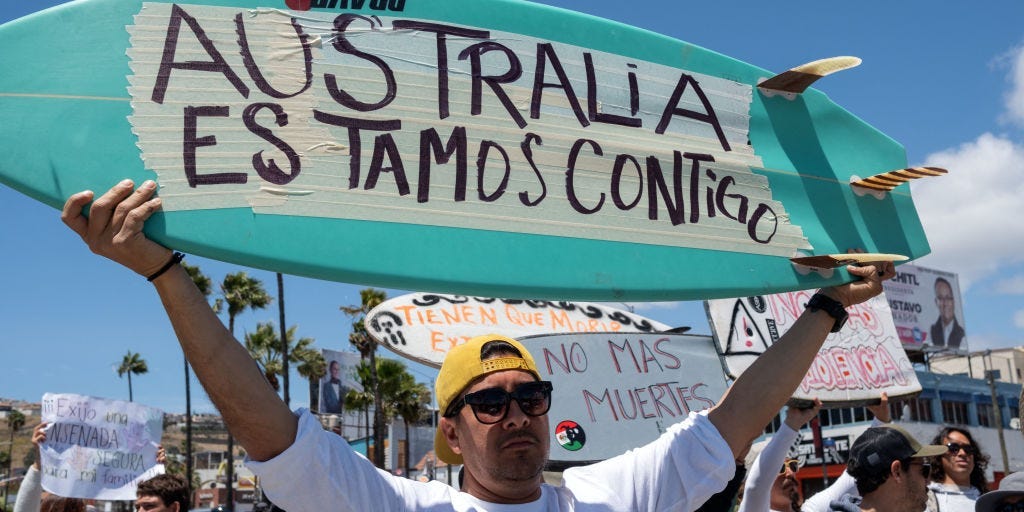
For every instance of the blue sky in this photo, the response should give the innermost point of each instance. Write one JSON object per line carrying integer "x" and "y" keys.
{"x": 944, "y": 78}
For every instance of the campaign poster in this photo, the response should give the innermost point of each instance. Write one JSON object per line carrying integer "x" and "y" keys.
{"x": 98, "y": 448}
{"x": 854, "y": 366}
{"x": 927, "y": 308}
{"x": 341, "y": 377}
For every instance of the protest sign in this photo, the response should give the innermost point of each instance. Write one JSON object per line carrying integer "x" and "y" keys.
{"x": 927, "y": 309}
{"x": 854, "y": 366}
{"x": 424, "y": 326}
{"x": 617, "y": 391}
{"x": 98, "y": 448}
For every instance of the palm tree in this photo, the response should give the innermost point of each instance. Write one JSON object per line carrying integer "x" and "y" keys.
{"x": 266, "y": 348}
{"x": 15, "y": 420}
{"x": 400, "y": 395}
{"x": 411, "y": 399}
{"x": 240, "y": 292}
{"x": 367, "y": 346}
{"x": 312, "y": 366}
{"x": 361, "y": 400}
{"x": 285, "y": 358}
{"x": 205, "y": 285}
{"x": 132, "y": 363}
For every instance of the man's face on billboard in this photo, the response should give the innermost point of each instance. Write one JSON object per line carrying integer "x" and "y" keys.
{"x": 944, "y": 300}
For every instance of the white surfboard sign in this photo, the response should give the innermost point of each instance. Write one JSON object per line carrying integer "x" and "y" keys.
{"x": 424, "y": 326}
{"x": 853, "y": 366}
{"x": 617, "y": 391}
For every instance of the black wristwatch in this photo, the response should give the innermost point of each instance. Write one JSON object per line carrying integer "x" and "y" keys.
{"x": 831, "y": 306}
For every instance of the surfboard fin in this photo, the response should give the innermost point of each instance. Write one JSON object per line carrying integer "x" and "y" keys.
{"x": 887, "y": 181}
{"x": 839, "y": 260}
{"x": 798, "y": 79}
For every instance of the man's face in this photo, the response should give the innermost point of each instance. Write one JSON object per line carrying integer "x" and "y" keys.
{"x": 783, "y": 490}
{"x": 335, "y": 369}
{"x": 153, "y": 504}
{"x": 506, "y": 454}
{"x": 916, "y": 489}
{"x": 944, "y": 300}
{"x": 958, "y": 465}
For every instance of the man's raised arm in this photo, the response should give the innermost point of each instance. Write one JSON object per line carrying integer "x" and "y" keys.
{"x": 762, "y": 390}
{"x": 253, "y": 412}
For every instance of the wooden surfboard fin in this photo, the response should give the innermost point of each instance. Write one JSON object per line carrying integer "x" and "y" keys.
{"x": 825, "y": 261}
{"x": 798, "y": 79}
{"x": 887, "y": 181}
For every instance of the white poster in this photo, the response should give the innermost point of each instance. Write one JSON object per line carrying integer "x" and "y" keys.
{"x": 853, "y": 366}
{"x": 340, "y": 378}
{"x": 927, "y": 309}
{"x": 424, "y": 326}
{"x": 618, "y": 391}
{"x": 98, "y": 448}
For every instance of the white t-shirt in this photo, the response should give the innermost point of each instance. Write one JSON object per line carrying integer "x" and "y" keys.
{"x": 678, "y": 471}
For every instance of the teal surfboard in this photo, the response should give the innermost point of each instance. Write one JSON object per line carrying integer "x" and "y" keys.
{"x": 490, "y": 148}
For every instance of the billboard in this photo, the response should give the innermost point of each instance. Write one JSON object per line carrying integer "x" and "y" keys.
{"x": 927, "y": 309}
{"x": 340, "y": 378}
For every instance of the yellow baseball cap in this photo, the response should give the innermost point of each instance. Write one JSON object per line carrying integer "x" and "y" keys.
{"x": 462, "y": 365}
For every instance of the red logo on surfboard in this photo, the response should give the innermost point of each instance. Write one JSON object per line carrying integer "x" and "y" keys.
{"x": 297, "y": 5}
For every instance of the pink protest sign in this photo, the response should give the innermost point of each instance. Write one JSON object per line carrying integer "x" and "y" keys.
{"x": 853, "y": 366}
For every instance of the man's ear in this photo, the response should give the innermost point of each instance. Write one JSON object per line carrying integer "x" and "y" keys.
{"x": 175, "y": 506}
{"x": 896, "y": 470}
{"x": 447, "y": 426}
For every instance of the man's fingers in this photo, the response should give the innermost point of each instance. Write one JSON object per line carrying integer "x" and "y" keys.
{"x": 136, "y": 218}
{"x": 72, "y": 212}
{"x": 130, "y": 203}
{"x": 102, "y": 208}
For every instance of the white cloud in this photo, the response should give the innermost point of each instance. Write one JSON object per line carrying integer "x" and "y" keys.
{"x": 1018, "y": 318}
{"x": 1015, "y": 97}
{"x": 1013, "y": 285}
{"x": 972, "y": 216}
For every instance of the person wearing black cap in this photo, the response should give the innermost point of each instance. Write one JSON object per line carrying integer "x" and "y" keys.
{"x": 1009, "y": 497}
{"x": 891, "y": 470}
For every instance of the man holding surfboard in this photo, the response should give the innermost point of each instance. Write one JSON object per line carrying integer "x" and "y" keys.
{"x": 502, "y": 445}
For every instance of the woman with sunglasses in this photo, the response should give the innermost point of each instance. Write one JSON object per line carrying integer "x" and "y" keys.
{"x": 958, "y": 477}
{"x": 768, "y": 487}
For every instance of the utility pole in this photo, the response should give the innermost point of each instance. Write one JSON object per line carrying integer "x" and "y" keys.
{"x": 990, "y": 376}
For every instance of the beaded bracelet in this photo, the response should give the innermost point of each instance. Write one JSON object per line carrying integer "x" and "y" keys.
{"x": 175, "y": 259}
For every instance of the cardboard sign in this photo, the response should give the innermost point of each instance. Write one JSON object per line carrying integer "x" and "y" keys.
{"x": 424, "y": 326}
{"x": 617, "y": 391}
{"x": 98, "y": 448}
{"x": 927, "y": 308}
{"x": 853, "y": 366}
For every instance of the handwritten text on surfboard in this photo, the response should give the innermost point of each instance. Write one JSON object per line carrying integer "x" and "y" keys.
{"x": 413, "y": 121}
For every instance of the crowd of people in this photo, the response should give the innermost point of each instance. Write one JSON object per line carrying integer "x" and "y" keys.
{"x": 494, "y": 422}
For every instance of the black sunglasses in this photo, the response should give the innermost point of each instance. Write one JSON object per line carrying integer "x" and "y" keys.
{"x": 491, "y": 405}
{"x": 955, "y": 448}
{"x": 926, "y": 467}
